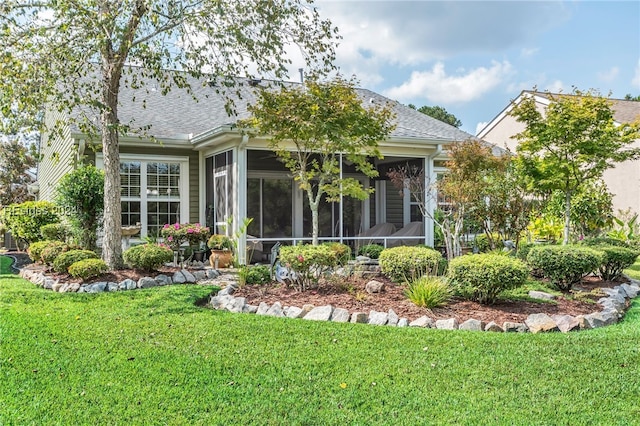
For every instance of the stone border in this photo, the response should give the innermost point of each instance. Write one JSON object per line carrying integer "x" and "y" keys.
{"x": 614, "y": 305}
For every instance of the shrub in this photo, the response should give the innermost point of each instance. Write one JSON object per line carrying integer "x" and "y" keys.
{"x": 403, "y": 263}
{"x": 429, "y": 292}
{"x": 616, "y": 259}
{"x": 35, "y": 249}
{"x": 371, "y": 250}
{"x": 564, "y": 265}
{"x": 219, "y": 242}
{"x": 259, "y": 274}
{"x": 147, "y": 256}
{"x": 88, "y": 268}
{"x": 342, "y": 251}
{"x": 604, "y": 241}
{"x": 53, "y": 250}
{"x": 81, "y": 193}
{"x": 482, "y": 242}
{"x": 482, "y": 277}
{"x": 307, "y": 263}
{"x": 25, "y": 220}
{"x": 64, "y": 260}
{"x": 54, "y": 232}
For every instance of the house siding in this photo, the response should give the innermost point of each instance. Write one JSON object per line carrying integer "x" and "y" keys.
{"x": 58, "y": 157}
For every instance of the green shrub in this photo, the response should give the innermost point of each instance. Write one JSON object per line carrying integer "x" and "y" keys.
{"x": 616, "y": 259}
{"x": 482, "y": 277}
{"x": 308, "y": 263}
{"x": 564, "y": 266}
{"x": 404, "y": 263}
{"x": 64, "y": 260}
{"x": 147, "y": 257}
{"x": 342, "y": 251}
{"x": 372, "y": 251}
{"x": 523, "y": 250}
{"x": 429, "y": 292}
{"x": 258, "y": 274}
{"x": 53, "y": 250}
{"x": 603, "y": 241}
{"x": 482, "y": 242}
{"x": 54, "y": 232}
{"x": 25, "y": 220}
{"x": 88, "y": 268}
{"x": 35, "y": 250}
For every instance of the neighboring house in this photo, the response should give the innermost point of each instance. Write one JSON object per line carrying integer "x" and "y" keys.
{"x": 623, "y": 180}
{"x": 203, "y": 169}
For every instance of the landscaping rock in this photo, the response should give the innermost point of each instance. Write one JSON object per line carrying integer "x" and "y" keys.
{"x": 127, "y": 284}
{"x": 541, "y": 295}
{"x": 423, "y": 321}
{"x": 378, "y": 318}
{"x": 566, "y": 323}
{"x": 188, "y": 276}
{"x": 472, "y": 325}
{"x": 359, "y": 318}
{"x": 392, "y": 318}
{"x": 492, "y": 326}
{"x": 321, "y": 313}
{"x": 403, "y": 322}
{"x": 56, "y": 286}
{"x": 250, "y": 309}
{"x": 630, "y": 291}
{"x": 540, "y": 323}
{"x": 147, "y": 282}
{"x": 228, "y": 289}
{"x": 179, "y": 278}
{"x": 74, "y": 287}
{"x": 262, "y": 308}
{"x": 163, "y": 279}
{"x": 374, "y": 286}
{"x": 447, "y": 324}
{"x": 211, "y": 273}
{"x": 595, "y": 320}
{"x": 609, "y": 316}
{"x": 584, "y": 324}
{"x": 48, "y": 283}
{"x": 200, "y": 275}
{"x": 515, "y": 327}
{"x": 275, "y": 310}
{"x": 96, "y": 288}
{"x": 616, "y": 293}
{"x": 237, "y": 305}
{"x": 306, "y": 308}
{"x": 294, "y": 312}
{"x": 340, "y": 315}
{"x": 111, "y": 286}
{"x": 221, "y": 302}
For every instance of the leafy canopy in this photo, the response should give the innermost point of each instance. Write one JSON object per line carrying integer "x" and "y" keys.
{"x": 439, "y": 113}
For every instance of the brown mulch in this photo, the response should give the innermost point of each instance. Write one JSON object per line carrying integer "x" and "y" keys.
{"x": 351, "y": 295}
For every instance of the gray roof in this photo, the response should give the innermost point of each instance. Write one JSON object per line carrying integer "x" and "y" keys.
{"x": 176, "y": 115}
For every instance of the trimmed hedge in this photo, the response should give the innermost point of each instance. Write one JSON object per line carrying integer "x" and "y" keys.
{"x": 25, "y": 220}
{"x": 482, "y": 243}
{"x": 564, "y": 266}
{"x": 406, "y": 263}
{"x": 147, "y": 257}
{"x": 342, "y": 251}
{"x": 482, "y": 277}
{"x": 35, "y": 249}
{"x": 64, "y": 260}
{"x": 88, "y": 268}
{"x": 372, "y": 251}
{"x": 616, "y": 259}
{"x": 307, "y": 262}
{"x": 53, "y": 250}
{"x": 54, "y": 232}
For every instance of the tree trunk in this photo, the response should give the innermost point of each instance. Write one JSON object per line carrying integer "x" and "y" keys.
{"x": 567, "y": 217}
{"x": 313, "y": 206}
{"x": 112, "y": 240}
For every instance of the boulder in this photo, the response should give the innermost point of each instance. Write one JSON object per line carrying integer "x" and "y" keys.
{"x": 540, "y": 323}
{"x": 472, "y": 325}
{"x": 188, "y": 276}
{"x": 403, "y": 322}
{"x": 374, "y": 286}
{"x": 630, "y": 291}
{"x": 340, "y": 315}
{"x": 127, "y": 284}
{"x": 275, "y": 310}
{"x": 237, "y": 305}
{"x": 492, "y": 326}
{"x": 359, "y": 318}
{"x": 211, "y": 273}
{"x": 321, "y": 313}
{"x": 262, "y": 308}
{"x": 566, "y": 323}
{"x": 147, "y": 282}
{"x": 179, "y": 278}
{"x": 447, "y": 324}
{"x": 378, "y": 318}
{"x": 423, "y": 321}
{"x": 221, "y": 302}
{"x": 294, "y": 312}
{"x": 514, "y": 327}
{"x": 250, "y": 309}
{"x": 111, "y": 286}
{"x": 392, "y": 318}
{"x": 541, "y": 295}
{"x": 200, "y": 275}
{"x": 595, "y": 320}
{"x": 163, "y": 279}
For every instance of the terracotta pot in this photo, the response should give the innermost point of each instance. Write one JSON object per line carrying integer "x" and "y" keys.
{"x": 224, "y": 258}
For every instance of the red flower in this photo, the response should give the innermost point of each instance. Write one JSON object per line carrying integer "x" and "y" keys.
{"x": 300, "y": 258}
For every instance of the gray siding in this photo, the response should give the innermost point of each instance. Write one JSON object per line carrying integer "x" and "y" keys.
{"x": 58, "y": 157}
{"x": 394, "y": 206}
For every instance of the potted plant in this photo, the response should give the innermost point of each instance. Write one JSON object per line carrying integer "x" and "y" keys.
{"x": 196, "y": 236}
{"x": 221, "y": 253}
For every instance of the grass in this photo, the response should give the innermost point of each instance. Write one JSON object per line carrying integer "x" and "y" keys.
{"x": 153, "y": 357}
{"x": 634, "y": 270}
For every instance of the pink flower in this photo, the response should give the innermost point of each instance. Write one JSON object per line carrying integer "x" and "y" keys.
{"x": 300, "y": 258}
{"x": 169, "y": 238}
{"x": 190, "y": 231}
{"x": 166, "y": 225}
{"x": 176, "y": 226}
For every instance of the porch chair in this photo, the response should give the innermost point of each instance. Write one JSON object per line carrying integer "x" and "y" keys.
{"x": 413, "y": 229}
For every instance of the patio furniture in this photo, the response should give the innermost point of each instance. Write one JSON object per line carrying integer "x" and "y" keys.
{"x": 413, "y": 229}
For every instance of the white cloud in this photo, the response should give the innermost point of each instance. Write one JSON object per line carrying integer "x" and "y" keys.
{"x": 556, "y": 86}
{"x": 438, "y": 87}
{"x": 481, "y": 125}
{"x": 636, "y": 78}
{"x": 527, "y": 52}
{"x": 609, "y": 75}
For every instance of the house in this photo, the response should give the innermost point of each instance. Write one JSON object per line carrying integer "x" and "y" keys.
{"x": 623, "y": 180}
{"x": 202, "y": 168}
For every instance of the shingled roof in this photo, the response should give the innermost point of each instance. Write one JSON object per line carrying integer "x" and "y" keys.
{"x": 177, "y": 115}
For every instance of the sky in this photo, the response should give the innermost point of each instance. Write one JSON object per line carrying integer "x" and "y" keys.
{"x": 473, "y": 57}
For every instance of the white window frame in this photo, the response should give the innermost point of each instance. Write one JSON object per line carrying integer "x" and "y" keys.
{"x": 144, "y": 159}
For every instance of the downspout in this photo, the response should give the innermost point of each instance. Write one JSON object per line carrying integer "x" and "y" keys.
{"x": 430, "y": 176}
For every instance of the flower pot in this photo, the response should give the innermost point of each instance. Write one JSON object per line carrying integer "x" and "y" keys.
{"x": 223, "y": 258}
{"x": 198, "y": 256}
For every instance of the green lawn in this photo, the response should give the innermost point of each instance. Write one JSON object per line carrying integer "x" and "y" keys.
{"x": 153, "y": 357}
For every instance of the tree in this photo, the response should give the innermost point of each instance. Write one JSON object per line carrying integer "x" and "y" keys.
{"x": 81, "y": 194}
{"x": 575, "y": 140}
{"x": 629, "y": 97}
{"x": 15, "y": 161}
{"x": 439, "y": 113}
{"x": 73, "y": 55}
{"x": 312, "y": 127}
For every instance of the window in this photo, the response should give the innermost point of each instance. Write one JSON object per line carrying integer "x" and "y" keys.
{"x": 153, "y": 191}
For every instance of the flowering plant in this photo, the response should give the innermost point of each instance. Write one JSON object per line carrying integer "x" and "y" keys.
{"x": 196, "y": 234}
{"x": 175, "y": 234}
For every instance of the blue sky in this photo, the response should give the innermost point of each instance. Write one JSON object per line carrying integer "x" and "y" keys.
{"x": 473, "y": 57}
